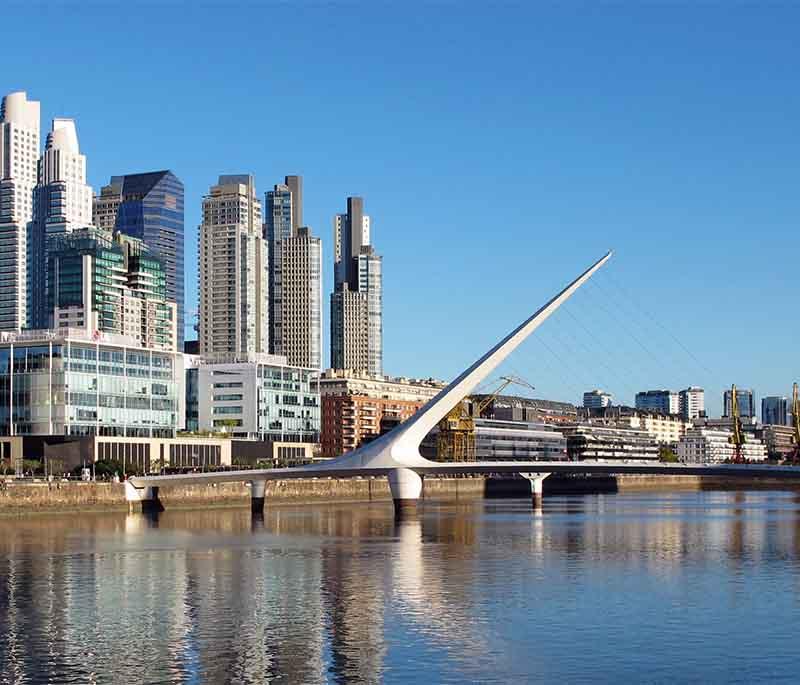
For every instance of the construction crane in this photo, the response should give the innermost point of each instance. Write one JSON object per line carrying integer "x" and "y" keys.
{"x": 737, "y": 439}
{"x": 795, "y": 456}
{"x": 455, "y": 440}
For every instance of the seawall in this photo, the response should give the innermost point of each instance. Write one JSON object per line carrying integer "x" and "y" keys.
{"x": 26, "y": 498}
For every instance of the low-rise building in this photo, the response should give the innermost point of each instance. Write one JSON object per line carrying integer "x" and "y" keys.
{"x": 70, "y": 382}
{"x": 257, "y": 396}
{"x": 609, "y": 442}
{"x": 713, "y": 446}
{"x": 778, "y": 440}
{"x": 665, "y": 429}
{"x": 526, "y": 409}
{"x": 354, "y": 405}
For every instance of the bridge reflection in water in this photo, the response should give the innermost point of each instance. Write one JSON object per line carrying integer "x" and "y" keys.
{"x": 347, "y": 594}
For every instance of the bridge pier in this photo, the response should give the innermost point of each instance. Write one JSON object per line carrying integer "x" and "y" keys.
{"x": 537, "y": 486}
{"x": 406, "y": 488}
{"x": 142, "y": 500}
{"x": 258, "y": 491}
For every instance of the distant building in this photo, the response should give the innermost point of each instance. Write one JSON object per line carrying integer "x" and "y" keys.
{"x": 19, "y": 157}
{"x": 357, "y": 300}
{"x": 692, "y": 402}
{"x": 233, "y": 271}
{"x": 778, "y": 440}
{"x": 111, "y": 285}
{"x": 354, "y": 405}
{"x": 62, "y": 202}
{"x": 711, "y": 446}
{"x": 776, "y": 411}
{"x": 661, "y": 401}
{"x": 595, "y": 399}
{"x": 599, "y": 441}
{"x": 258, "y": 396}
{"x": 664, "y": 429}
{"x": 747, "y": 403}
{"x": 149, "y": 207}
{"x": 526, "y": 409}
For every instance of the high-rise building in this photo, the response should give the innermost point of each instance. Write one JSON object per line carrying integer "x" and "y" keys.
{"x": 62, "y": 202}
{"x": 357, "y": 300}
{"x": 747, "y": 403}
{"x": 19, "y": 157}
{"x": 692, "y": 402}
{"x": 233, "y": 270}
{"x": 596, "y": 399}
{"x": 295, "y": 277}
{"x": 149, "y": 207}
{"x": 661, "y": 401}
{"x": 776, "y": 411}
{"x": 110, "y": 285}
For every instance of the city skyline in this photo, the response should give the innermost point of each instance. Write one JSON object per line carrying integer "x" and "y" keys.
{"x": 692, "y": 215}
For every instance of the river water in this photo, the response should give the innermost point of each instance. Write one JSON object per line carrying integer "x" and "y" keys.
{"x": 697, "y": 587}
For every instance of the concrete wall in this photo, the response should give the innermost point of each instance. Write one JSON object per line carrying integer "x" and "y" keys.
{"x": 26, "y": 498}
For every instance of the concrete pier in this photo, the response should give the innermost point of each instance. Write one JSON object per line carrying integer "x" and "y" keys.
{"x": 406, "y": 489}
{"x": 142, "y": 500}
{"x": 258, "y": 492}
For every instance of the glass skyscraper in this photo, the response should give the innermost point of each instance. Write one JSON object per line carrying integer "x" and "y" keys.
{"x": 149, "y": 207}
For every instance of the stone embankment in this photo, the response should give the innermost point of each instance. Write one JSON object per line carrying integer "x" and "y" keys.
{"x": 25, "y": 498}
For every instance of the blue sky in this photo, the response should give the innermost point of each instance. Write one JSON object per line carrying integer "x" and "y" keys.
{"x": 499, "y": 148}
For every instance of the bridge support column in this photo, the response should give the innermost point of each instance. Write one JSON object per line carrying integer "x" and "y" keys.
{"x": 258, "y": 491}
{"x": 406, "y": 487}
{"x": 537, "y": 486}
{"x": 142, "y": 500}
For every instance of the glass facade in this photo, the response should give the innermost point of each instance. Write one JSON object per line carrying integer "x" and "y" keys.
{"x": 66, "y": 386}
{"x": 150, "y": 207}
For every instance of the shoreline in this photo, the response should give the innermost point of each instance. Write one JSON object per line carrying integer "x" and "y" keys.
{"x": 24, "y": 499}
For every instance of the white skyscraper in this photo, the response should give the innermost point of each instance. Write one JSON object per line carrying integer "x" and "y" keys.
{"x": 232, "y": 269}
{"x": 692, "y": 402}
{"x": 19, "y": 155}
{"x": 62, "y": 202}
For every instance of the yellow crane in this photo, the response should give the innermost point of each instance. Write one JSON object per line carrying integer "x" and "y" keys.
{"x": 795, "y": 458}
{"x": 455, "y": 440}
{"x": 737, "y": 439}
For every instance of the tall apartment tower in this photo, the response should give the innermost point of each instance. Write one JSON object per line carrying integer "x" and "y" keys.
{"x": 692, "y": 402}
{"x": 776, "y": 411}
{"x": 149, "y": 207}
{"x": 233, "y": 270}
{"x": 295, "y": 277}
{"x": 62, "y": 202}
{"x": 19, "y": 157}
{"x": 357, "y": 299}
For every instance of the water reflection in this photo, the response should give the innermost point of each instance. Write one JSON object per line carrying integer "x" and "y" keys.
{"x": 481, "y": 590}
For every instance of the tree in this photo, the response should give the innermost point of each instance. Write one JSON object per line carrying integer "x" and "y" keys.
{"x": 666, "y": 454}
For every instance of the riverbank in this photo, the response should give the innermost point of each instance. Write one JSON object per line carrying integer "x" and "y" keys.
{"x": 30, "y": 498}
{"x": 63, "y": 497}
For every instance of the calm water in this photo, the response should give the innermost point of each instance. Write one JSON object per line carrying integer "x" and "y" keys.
{"x": 656, "y": 587}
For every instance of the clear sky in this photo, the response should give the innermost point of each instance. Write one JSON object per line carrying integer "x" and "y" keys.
{"x": 500, "y": 148}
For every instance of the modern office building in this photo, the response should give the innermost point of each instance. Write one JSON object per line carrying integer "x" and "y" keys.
{"x": 355, "y": 403}
{"x": 778, "y": 440}
{"x": 258, "y": 396}
{"x": 357, "y": 300}
{"x": 518, "y": 441}
{"x": 149, "y": 207}
{"x": 747, "y": 403}
{"x": 713, "y": 446}
{"x": 692, "y": 402}
{"x": 601, "y": 441}
{"x": 62, "y": 202}
{"x": 232, "y": 270}
{"x": 776, "y": 411}
{"x": 661, "y": 401}
{"x": 69, "y": 382}
{"x": 295, "y": 277}
{"x": 596, "y": 399}
{"x": 19, "y": 158}
{"x": 110, "y": 284}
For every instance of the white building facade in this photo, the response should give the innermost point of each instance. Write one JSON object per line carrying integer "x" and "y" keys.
{"x": 19, "y": 157}
{"x": 692, "y": 402}
{"x": 709, "y": 446}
